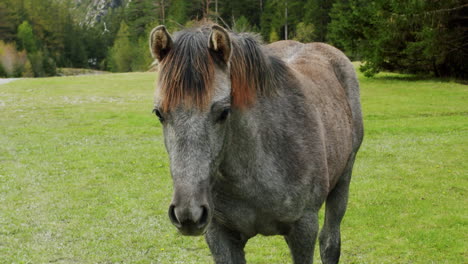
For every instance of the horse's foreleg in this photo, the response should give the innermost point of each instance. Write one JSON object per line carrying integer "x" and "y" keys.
{"x": 330, "y": 238}
{"x": 226, "y": 246}
{"x": 301, "y": 238}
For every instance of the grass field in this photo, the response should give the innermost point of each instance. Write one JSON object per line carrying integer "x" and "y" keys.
{"x": 84, "y": 176}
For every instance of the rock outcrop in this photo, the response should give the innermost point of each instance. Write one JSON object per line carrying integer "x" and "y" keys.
{"x": 95, "y": 10}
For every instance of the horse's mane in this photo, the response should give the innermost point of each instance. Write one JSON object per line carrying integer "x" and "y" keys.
{"x": 187, "y": 72}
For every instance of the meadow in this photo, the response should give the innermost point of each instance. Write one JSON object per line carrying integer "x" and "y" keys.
{"x": 84, "y": 176}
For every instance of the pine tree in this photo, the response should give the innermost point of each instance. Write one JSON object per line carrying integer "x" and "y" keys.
{"x": 74, "y": 48}
{"x": 231, "y": 11}
{"x": 121, "y": 54}
{"x": 272, "y": 20}
{"x": 305, "y": 32}
{"x": 138, "y": 15}
{"x": 8, "y": 20}
{"x": 177, "y": 14}
{"x": 26, "y": 39}
{"x": 317, "y": 13}
{"x": 409, "y": 36}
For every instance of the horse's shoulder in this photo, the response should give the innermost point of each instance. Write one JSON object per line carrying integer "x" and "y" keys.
{"x": 284, "y": 49}
{"x": 297, "y": 54}
{"x": 325, "y": 50}
{"x": 284, "y": 44}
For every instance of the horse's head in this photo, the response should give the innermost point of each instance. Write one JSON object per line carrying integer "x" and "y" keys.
{"x": 193, "y": 103}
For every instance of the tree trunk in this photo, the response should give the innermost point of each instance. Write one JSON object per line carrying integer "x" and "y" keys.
{"x": 163, "y": 13}
{"x": 286, "y": 21}
{"x": 207, "y": 10}
{"x": 216, "y": 10}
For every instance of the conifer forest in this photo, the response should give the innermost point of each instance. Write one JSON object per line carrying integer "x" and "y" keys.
{"x": 38, "y": 37}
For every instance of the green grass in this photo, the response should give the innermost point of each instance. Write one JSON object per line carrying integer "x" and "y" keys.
{"x": 84, "y": 176}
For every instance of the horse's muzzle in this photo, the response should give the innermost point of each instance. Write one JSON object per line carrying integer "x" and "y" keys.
{"x": 190, "y": 221}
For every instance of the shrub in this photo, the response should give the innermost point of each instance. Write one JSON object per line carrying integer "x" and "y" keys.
{"x": 50, "y": 68}
{"x": 274, "y": 36}
{"x": 7, "y": 58}
{"x": 121, "y": 54}
{"x": 406, "y": 36}
{"x": 26, "y": 39}
{"x": 305, "y": 32}
{"x": 141, "y": 56}
{"x": 2, "y": 71}
{"x": 36, "y": 60}
{"x": 242, "y": 25}
{"x": 11, "y": 61}
{"x": 28, "y": 70}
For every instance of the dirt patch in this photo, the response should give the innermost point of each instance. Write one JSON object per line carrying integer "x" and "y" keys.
{"x": 78, "y": 71}
{"x": 5, "y": 81}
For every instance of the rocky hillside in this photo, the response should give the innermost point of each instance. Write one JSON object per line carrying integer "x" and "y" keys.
{"x": 92, "y": 11}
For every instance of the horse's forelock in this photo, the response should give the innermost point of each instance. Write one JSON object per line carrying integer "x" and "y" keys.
{"x": 187, "y": 72}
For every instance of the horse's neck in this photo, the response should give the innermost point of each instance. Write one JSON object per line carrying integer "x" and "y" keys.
{"x": 246, "y": 139}
{"x": 258, "y": 136}
{"x": 244, "y": 150}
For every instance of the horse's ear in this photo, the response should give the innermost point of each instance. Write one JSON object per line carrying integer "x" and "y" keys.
{"x": 220, "y": 43}
{"x": 160, "y": 42}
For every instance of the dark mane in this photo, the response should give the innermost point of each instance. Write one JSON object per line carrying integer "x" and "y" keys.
{"x": 253, "y": 72}
{"x": 187, "y": 72}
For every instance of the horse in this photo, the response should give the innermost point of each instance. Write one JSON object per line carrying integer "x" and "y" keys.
{"x": 258, "y": 137}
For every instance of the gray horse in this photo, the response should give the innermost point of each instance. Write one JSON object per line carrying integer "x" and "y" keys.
{"x": 258, "y": 137}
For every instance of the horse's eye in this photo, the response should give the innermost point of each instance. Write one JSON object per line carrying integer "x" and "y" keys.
{"x": 222, "y": 117}
{"x": 158, "y": 114}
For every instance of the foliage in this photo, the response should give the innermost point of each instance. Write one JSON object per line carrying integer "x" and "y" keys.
{"x": 50, "y": 67}
{"x": 100, "y": 38}
{"x": 2, "y": 70}
{"x": 409, "y": 36}
{"x": 121, "y": 53}
{"x": 42, "y": 26}
{"x": 142, "y": 58}
{"x": 317, "y": 13}
{"x": 37, "y": 63}
{"x": 27, "y": 70}
{"x": 242, "y": 25}
{"x": 74, "y": 49}
{"x": 305, "y": 32}
{"x": 42, "y": 64}
{"x": 177, "y": 14}
{"x": 232, "y": 11}
{"x": 26, "y": 39}
{"x": 273, "y": 36}
{"x": 272, "y": 20}
{"x": 8, "y": 56}
{"x": 8, "y": 22}
{"x": 138, "y": 15}
{"x": 12, "y": 62}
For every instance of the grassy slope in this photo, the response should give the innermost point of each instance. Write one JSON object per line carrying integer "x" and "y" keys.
{"x": 84, "y": 176}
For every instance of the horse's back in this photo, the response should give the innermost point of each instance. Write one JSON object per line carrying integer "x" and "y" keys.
{"x": 329, "y": 83}
{"x": 346, "y": 75}
{"x": 322, "y": 63}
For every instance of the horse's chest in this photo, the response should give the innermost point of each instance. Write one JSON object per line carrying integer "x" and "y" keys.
{"x": 257, "y": 209}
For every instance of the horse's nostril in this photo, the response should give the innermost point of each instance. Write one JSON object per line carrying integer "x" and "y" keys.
{"x": 173, "y": 217}
{"x": 204, "y": 217}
